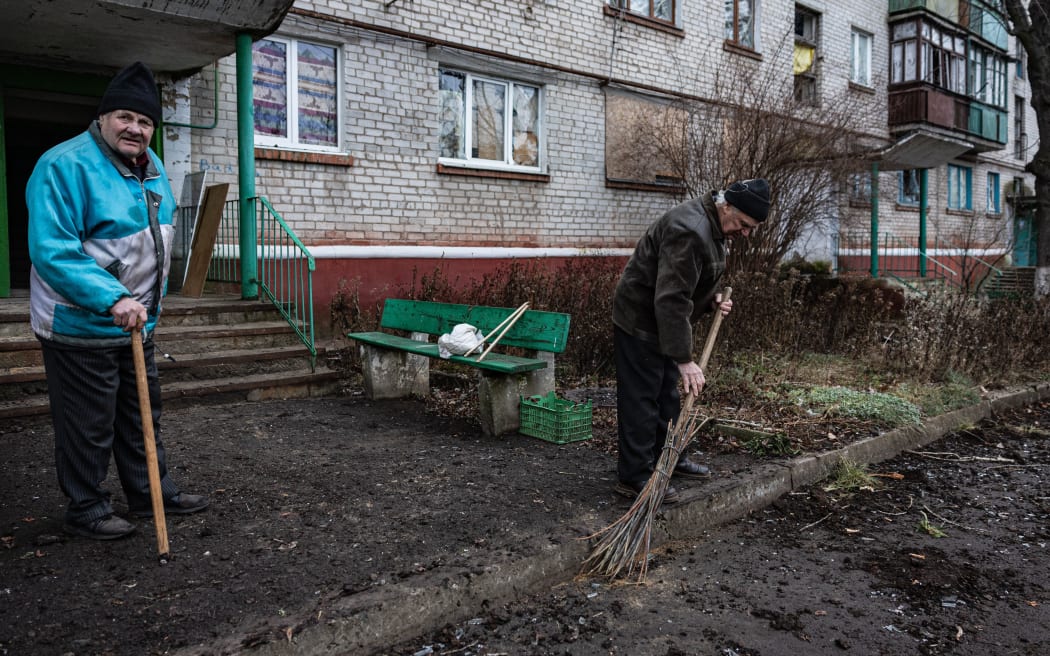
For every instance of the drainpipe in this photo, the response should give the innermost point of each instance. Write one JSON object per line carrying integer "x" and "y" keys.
{"x": 246, "y": 169}
{"x": 923, "y": 189}
{"x": 874, "y": 219}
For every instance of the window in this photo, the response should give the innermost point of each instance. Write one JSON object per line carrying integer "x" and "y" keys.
{"x": 992, "y": 205}
{"x": 927, "y": 52}
{"x": 1020, "y": 61}
{"x": 1020, "y": 137}
{"x": 908, "y": 193}
{"x": 659, "y": 9}
{"x": 904, "y": 47}
{"x": 488, "y": 122}
{"x": 987, "y": 76}
{"x": 805, "y": 63}
{"x": 740, "y": 22}
{"x": 860, "y": 58}
{"x": 295, "y": 94}
{"x": 860, "y": 188}
{"x": 960, "y": 187}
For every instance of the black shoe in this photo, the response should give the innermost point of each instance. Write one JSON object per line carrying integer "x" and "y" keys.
{"x": 109, "y": 527}
{"x": 686, "y": 468}
{"x": 180, "y": 504}
{"x": 632, "y": 490}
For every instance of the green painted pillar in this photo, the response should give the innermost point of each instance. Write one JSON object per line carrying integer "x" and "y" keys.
{"x": 246, "y": 170}
{"x": 923, "y": 189}
{"x": 874, "y": 219}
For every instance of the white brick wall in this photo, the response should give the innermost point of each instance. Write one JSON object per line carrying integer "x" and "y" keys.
{"x": 393, "y": 192}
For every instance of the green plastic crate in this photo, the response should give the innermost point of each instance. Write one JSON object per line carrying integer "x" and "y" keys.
{"x": 556, "y": 420}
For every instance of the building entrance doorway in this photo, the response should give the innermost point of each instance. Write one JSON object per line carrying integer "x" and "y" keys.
{"x": 32, "y": 122}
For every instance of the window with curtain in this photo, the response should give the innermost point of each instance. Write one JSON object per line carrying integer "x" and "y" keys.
{"x": 908, "y": 187}
{"x": 662, "y": 10}
{"x": 992, "y": 205}
{"x": 489, "y": 122}
{"x": 740, "y": 17}
{"x": 807, "y": 24}
{"x": 295, "y": 94}
{"x": 860, "y": 57}
{"x": 960, "y": 187}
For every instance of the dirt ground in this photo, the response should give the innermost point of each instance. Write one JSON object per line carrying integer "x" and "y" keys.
{"x": 316, "y": 500}
{"x": 948, "y": 554}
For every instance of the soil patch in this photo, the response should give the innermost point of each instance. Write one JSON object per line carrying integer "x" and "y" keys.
{"x": 314, "y": 500}
{"x": 947, "y": 555}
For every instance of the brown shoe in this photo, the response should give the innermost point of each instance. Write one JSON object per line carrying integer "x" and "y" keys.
{"x": 632, "y": 490}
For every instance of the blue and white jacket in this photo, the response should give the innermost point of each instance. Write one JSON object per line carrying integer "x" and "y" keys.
{"x": 96, "y": 234}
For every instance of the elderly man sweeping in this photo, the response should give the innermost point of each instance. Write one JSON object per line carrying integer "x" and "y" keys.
{"x": 669, "y": 283}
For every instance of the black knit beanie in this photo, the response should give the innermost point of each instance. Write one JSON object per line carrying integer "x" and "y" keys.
{"x": 750, "y": 197}
{"x": 134, "y": 89}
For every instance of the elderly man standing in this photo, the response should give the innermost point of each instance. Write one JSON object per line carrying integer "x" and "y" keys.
{"x": 100, "y": 232}
{"x": 668, "y": 284}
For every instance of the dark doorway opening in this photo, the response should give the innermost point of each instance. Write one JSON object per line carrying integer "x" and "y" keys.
{"x": 34, "y": 122}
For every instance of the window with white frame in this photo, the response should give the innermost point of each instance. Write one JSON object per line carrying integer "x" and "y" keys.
{"x": 740, "y": 19}
{"x": 662, "y": 10}
{"x": 1020, "y": 136}
{"x": 295, "y": 94}
{"x": 960, "y": 187}
{"x": 490, "y": 123}
{"x": 908, "y": 187}
{"x": 992, "y": 205}
{"x": 860, "y": 57}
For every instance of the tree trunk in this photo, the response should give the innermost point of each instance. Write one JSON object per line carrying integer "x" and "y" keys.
{"x": 1031, "y": 25}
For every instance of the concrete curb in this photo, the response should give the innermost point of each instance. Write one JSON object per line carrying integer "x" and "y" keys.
{"x": 366, "y": 622}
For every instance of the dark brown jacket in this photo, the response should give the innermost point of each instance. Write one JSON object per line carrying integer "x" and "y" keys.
{"x": 670, "y": 280}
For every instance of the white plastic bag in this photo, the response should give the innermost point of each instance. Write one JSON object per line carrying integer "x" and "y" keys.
{"x": 463, "y": 338}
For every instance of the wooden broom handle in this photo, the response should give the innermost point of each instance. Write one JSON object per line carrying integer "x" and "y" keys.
{"x": 709, "y": 346}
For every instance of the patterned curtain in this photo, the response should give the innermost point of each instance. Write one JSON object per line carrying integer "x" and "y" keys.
{"x": 318, "y": 101}
{"x": 270, "y": 88}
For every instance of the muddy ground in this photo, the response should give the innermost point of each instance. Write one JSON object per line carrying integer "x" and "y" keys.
{"x": 947, "y": 554}
{"x": 317, "y": 500}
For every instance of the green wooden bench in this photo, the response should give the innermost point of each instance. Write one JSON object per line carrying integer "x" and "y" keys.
{"x": 395, "y": 366}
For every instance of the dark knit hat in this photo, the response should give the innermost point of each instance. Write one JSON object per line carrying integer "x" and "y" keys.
{"x": 134, "y": 89}
{"x": 750, "y": 197}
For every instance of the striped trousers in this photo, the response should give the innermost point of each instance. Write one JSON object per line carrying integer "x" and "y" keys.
{"x": 95, "y": 413}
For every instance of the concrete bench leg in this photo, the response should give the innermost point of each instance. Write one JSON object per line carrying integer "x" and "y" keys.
{"x": 499, "y": 396}
{"x": 394, "y": 374}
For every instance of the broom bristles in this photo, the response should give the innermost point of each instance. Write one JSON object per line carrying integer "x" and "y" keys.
{"x": 623, "y": 546}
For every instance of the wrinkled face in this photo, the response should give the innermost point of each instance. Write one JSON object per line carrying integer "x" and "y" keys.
{"x": 735, "y": 223}
{"x": 126, "y": 132}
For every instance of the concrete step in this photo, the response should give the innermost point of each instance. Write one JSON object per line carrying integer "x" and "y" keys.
{"x": 220, "y": 348}
{"x": 216, "y": 390}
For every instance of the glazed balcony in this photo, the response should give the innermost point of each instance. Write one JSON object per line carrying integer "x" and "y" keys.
{"x": 919, "y": 105}
{"x": 977, "y": 16}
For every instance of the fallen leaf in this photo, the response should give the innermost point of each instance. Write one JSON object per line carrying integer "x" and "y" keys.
{"x": 820, "y": 613}
{"x": 851, "y": 531}
{"x": 1032, "y": 603}
{"x": 958, "y": 633}
{"x": 917, "y": 556}
{"x": 894, "y": 475}
{"x": 288, "y": 633}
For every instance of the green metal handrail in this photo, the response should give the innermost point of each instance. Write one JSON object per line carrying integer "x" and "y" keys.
{"x": 286, "y": 273}
{"x": 285, "y": 266}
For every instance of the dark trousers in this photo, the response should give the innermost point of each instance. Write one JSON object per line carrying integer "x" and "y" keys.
{"x": 647, "y": 399}
{"x": 95, "y": 412}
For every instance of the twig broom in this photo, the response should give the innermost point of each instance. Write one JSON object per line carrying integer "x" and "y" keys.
{"x": 623, "y": 546}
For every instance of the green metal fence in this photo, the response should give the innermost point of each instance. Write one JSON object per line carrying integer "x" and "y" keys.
{"x": 285, "y": 266}
{"x": 286, "y": 273}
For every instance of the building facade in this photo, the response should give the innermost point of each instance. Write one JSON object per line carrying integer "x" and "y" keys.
{"x": 396, "y": 136}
